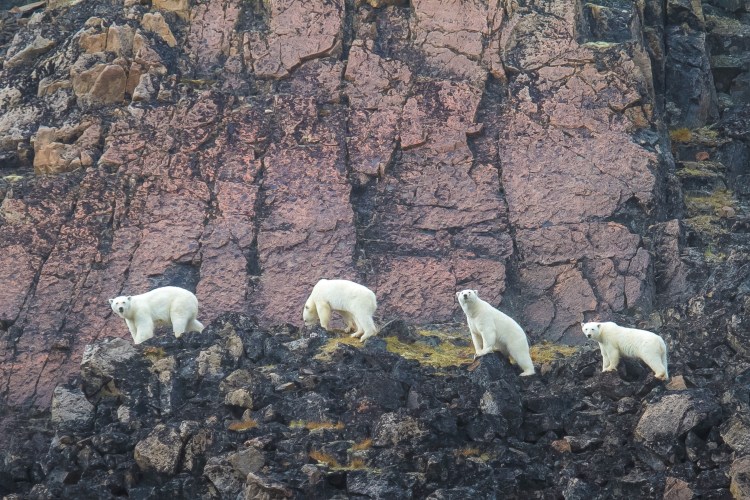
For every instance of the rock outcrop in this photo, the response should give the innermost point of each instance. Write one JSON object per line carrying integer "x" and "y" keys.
{"x": 324, "y": 417}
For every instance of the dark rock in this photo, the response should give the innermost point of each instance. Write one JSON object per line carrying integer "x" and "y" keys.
{"x": 160, "y": 452}
{"x": 665, "y": 423}
{"x": 71, "y": 411}
{"x": 374, "y": 486}
{"x": 395, "y": 428}
{"x": 740, "y": 476}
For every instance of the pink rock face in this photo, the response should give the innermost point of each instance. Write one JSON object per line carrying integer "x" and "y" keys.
{"x": 568, "y": 157}
{"x": 212, "y": 26}
{"x": 297, "y": 30}
{"x": 308, "y": 231}
{"x": 383, "y": 145}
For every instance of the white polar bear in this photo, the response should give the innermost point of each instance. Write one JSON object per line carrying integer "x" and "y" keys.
{"x": 491, "y": 330}
{"x": 169, "y": 304}
{"x": 354, "y": 302}
{"x": 615, "y": 341}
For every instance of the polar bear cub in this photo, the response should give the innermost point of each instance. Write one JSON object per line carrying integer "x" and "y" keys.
{"x": 491, "y": 330}
{"x": 615, "y": 341}
{"x": 169, "y": 304}
{"x": 354, "y": 302}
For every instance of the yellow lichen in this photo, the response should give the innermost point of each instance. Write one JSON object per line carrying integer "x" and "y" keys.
{"x": 326, "y": 350}
{"x": 242, "y": 425}
{"x": 475, "y": 453}
{"x": 154, "y": 353}
{"x": 680, "y": 135}
{"x": 362, "y": 445}
{"x": 599, "y": 45}
{"x": 445, "y": 354}
{"x": 545, "y": 352}
{"x": 13, "y": 178}
{"x": 311, "y": 426}
{"x": 709, "y": 204}
{"x": 325, "y": 458}
{"x": 709, "y": 225}
{"x": 322, "y": 457}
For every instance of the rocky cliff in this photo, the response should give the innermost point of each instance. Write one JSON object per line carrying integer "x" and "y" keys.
{"x": 570, "y": 160}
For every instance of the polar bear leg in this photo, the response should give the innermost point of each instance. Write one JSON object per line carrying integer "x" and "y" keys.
{"x": 144, "y": 327}
{"x": 488, "y": 341}
{"x": 476, "y": 339}
{"x": 664, "y": 361}
{"x": 523, "y": 360}
{"x": 131, "y": 328}
{"x": 614, "y": 358}
{"x": 351, "y": 326}
{"x": 605, "y": 358}
{"x": 179, "y": 324}
{"x": 366, "y": 324}
{"x": 324, "y": 313}
{"x": 195, "y": 326}
{"x": 654, "y": 361}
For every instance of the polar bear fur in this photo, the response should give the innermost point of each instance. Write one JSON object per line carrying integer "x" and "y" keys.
{"x": 169, "y": 304}
{"x": 615, "y": 341}
{"x": 354, "y": 302}
{"x": 491, "y": 330}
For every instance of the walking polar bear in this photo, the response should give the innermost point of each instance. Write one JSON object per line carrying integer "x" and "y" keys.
{"x": 169, "y": 304}
{"x": 615, "y": 341}
{"x": 491, "y": 330}
{"x": 354, "y": 302}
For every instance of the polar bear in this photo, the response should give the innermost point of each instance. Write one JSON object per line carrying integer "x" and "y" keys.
{"x": 615, "y": 341}
{"x": 169, "y": 304}
{"x": 354, "y": 302}
{"x": 491, "y": 330}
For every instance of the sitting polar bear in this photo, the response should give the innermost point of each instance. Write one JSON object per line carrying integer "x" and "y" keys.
{"x": 354, "y": 302}
{"x": 615, "y": 340}
{"x": 169, "y": 304}
{"x": 491, "y": 330}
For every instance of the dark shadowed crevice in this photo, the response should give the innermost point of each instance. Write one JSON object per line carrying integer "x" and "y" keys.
{"x": 348, "y": 30}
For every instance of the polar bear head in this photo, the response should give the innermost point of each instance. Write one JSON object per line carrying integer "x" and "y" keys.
{"x": 592, "y": 330}
{"x": 466, "y": 297}
{"x": 121, "y": 305}
{"x": 310, "y": 313}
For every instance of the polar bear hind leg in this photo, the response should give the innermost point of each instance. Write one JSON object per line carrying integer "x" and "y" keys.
{"x": 605, "y": 357}
{"x": 366, "y": 324}
{"x": 523, "y": 360}
{"x": 664, "y": 361}
{"x": 351, "y": 325}
{"x": 195, "y": 326}
{"x": 656, "y": 361}
{"x": 179, "y": 323}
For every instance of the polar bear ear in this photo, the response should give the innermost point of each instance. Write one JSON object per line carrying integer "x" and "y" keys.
{"x": 111, "y": 300}
{"x": 476, "y": 292}
{"x": 129, "y": 297}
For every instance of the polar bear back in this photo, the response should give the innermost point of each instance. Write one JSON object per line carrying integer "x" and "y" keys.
{"x": 344, "y": 294}
{"x": 160, "y": 302}
{"x": 631, "y": 342}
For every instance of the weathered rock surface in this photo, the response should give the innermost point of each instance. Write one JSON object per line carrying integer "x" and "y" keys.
{"x": 363, "y": 420}
{"x": 548, "y": 154}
